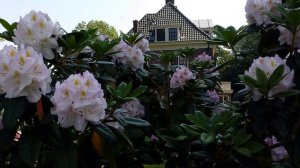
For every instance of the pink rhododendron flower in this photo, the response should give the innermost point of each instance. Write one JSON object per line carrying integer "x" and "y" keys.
{"x": 203, "y": 58}
{"x": 181, "y": 76}
{"x": 77, "y": 100}
{"x": 213, "y": 95}
{"x": 23, "y": 73}
{"x": 268, "y": 65}
{"x": 255, "y": 11}
{"x": 278, "y": 153}
{"x": 38, "y": 31}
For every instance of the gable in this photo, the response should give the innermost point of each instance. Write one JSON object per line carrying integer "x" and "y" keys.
{"x": 170, "y": 16}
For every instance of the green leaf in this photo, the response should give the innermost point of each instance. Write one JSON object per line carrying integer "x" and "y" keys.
{"x": 14, "y": 108}
{"x": 253, "y": 147}
{"x": 243, "y": 151}
{"x": 111, "y": 90}
{"x": 65, "y": 157}
{"x": 286, "y": 93}
{"x": 191, "y": 129}
{"x": 137, "y": 91}
{"x": 276, "y": 76}
{"x": 261, "y": 78}
{"x": 135, "y": 122}
{"x": 6, "y": 25}
{"x": 124, "y": 89}
{"x": 30, "y": 146}
{"x": 241, "y": 137}
{"x": 199, "y": 119}
{"x": 105, "y": 132}
{"x": 207, "y": 138}
{"x": 249, "y": 81}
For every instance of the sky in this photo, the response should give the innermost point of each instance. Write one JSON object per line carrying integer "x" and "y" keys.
{"x": 121, "y": 13}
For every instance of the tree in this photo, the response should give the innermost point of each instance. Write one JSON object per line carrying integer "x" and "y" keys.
{"x": 101, "y": 26}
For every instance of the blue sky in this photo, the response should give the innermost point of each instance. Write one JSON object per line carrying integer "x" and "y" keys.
{"x": 120, "y": 13}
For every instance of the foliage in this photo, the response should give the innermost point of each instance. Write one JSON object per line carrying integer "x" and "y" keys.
{"x": 144, "y": 120}
{"x": 101, "y": 26}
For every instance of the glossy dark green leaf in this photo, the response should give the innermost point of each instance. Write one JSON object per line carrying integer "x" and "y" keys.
{"x": 276, "y": 76}
{"x": 137, "y": 91}
{"x": 244, "y": 151}
{"x": 124, "y": 89}
{"x": 207, "y": 138}
{"x": 103, "y": 130}
{"x": 30, "y": 146}
{"x": 6, "y": 25}
{"x": 249, "y": 81}
{"x": 287, "y": 93}
{"x": 135, "y": 122}
{"x": 13, "y": 110}
{"x": 261, "y": 78}
{"x": 253, "y": 147}
{"x": 200, "y": 120}
{"x": 111, "y": 90}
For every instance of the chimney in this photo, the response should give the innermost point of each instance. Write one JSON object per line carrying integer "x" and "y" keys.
{"x": 135, "y": 26}
{"x": 172, "y": 1}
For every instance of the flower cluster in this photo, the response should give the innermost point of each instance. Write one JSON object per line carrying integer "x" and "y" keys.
{"x": 255, "y": 11}
{"x": 181, "y": 76}
{"x": 286, "y": 36}
{"x": 268, "y": 65}
{"x": 133, "y": 56}
{"x": 213, "y": 95}
{"x": 133, "y": 109}
{"x": 278, "y": 153}
{"x": 37, "y": 30}
{"x": 23, "y": 73}
{"x": 203, "y": 58}
{"x": 77, "y": 100}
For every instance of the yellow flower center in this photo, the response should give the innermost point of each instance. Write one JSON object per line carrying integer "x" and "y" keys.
{"x": 21, "y": 61}
{"x": 42, "y": 25}
{"x": 33, "y": 17}
{"x": 28, "y": 54}
{"x": 88, "y": 83}
{"x": 76, "y": 82}
{"x": 12, "y": 53}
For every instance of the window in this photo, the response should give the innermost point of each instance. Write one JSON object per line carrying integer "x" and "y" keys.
{"x": 172, "y": 34}
{"x": 160, "y": 34}
{"x": 151, "y": 36}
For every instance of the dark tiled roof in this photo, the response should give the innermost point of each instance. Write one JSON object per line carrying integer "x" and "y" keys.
{"x": 170, "y": 15}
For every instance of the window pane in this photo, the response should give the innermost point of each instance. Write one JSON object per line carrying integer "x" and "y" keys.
{"x": 172, "y": 34}
{"x": 160, "y": 34}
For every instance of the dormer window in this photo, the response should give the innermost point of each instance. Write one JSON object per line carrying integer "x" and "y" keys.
{"x": 173, "y": 35}
{"x": 167, "y": 34}
{"x": 160, "y": 35}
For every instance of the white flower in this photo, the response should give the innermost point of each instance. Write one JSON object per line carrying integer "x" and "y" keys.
{"x": 255, "y": 11}
{"x": 278, "y": 153}
{"x": 181, "y": 76}
{"x": 213, "y": 95}
{"x": 23, "y": 73}
{"x": 128, "y": 55}
{"x": 143, "y": 45}
{"x": 268, "y": 65}
{"x": 38, "y": 31}
{"x": 286, "y": 36}
{"x": 134, "y": 109}
{"x": 77, "y": 100}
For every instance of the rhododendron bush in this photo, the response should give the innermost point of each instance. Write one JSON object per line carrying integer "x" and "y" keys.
{"x": 80, "y": 99}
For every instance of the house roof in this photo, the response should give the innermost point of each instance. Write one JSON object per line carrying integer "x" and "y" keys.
{"x": 169, "y": 15}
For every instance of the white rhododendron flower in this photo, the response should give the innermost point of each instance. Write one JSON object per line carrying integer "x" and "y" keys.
{"x": 255, "y": 11}
{"x": 268, "y": 65}
{"x": 133, "y": 56}
{"x": 23, "y": 73}
{"x": 286, "y": 36}
{"x": 213, "y": 95}
{"x": 38, "y": 31}
{"x": 279, "y": 152}
{"x": 143, "y": 45}
{"x": 181, "y": 76}
{"x": 77, "y": 100}
{"x": 133, "y": 109}
{"x": 203, "y": 58}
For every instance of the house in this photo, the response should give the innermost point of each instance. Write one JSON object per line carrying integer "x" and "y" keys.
{"x": 169, "y": 29}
